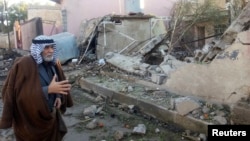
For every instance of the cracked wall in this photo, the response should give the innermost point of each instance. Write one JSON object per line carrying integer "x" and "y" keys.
{"x": 224, "y": 80}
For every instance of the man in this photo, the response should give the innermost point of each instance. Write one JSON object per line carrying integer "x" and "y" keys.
{"x": 34, "y": 94}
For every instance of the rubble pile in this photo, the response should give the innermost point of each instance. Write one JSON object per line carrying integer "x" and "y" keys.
{"x": 213, "y": 113}
{"x": 137, "y": 74}
{"x": 6, "y": 60}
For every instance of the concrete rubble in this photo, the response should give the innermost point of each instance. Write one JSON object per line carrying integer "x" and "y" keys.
{"x": 140, "y": 129}
{"x": 213, "y": 77}
{"x": 208, "y": 88}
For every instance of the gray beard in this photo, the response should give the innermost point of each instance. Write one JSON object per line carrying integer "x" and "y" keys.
{"x": 48, "y": 59}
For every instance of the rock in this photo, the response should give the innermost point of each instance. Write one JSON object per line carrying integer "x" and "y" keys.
{"x": 203, "y": 137}
{"x": 118, "y": 135}
{"x": 140, "y": 128}
{"x": 220, "y": 120}
{"x": 157, "y": 130}
{"x": 7, "y": 134}
{"x": 90, "y": 111}
{"x": 184, "y": 105}
{"x": 98, "y": 99}
{"x": 205, "y": 109}
{"x": 92, "y": 125}
{"x": 130, "y": 89}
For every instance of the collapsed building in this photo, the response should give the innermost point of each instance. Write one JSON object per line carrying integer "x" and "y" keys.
{"x": 217, "y": 75}
{"x": 113, "y": 38}
{"x": 145, "y": 53}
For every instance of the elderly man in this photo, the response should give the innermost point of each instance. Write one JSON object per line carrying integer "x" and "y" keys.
{"x": 35, "y": 93}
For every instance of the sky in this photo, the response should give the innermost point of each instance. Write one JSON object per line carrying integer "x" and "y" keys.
{"x": 42, "y": 2}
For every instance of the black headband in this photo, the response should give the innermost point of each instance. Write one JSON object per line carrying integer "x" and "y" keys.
{"x": 47, "y": 41}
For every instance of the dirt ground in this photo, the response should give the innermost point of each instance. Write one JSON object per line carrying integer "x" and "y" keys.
{"x": 116, "y": 124}
{"x": 113, "y": 121}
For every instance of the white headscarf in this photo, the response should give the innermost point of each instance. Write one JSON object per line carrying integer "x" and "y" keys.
{"x": 38, "y": 45}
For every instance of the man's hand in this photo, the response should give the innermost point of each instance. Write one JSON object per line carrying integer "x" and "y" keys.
{"x": 59, "y": 87}
{"x": 58, "y": 103}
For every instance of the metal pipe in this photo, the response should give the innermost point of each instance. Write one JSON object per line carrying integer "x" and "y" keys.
{"x": 127, "y": 47}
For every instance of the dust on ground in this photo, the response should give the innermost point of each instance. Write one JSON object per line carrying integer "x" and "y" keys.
{"x": 116, "y": 124}
{"x": 112, "y": 123}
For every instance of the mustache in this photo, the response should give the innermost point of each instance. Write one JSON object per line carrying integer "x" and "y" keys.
{"x": 49, "y": 54}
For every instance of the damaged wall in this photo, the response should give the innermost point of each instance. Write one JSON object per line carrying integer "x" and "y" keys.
{"x": 222, "y": 80}
{"x": 45, "y": 20}
{"x": 28, "y": 31}
{"x": 225, "y": 79}
{"x": 51, "y": 17}
{"x": 121, "y": 38}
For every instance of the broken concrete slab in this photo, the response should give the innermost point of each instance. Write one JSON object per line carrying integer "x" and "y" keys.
{"x": 240, "y": 24}
{"x": 185, "y": 105}
{"x": 124, "y": 62}
{"x": 167, "y": 69}
{"x": 223, "y": 80}
{"x": 158, "y": 78}
{"x": 132, "y": 64}
{"x": 150, "y": 31}
{"x": 87, "y": 28}
{"x": 151, "y": 44}
{"x": 146, "y": 106}
{"x": 144, "y": 66}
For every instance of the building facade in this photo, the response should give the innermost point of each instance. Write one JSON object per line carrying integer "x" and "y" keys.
{"x": 76, "y": 11}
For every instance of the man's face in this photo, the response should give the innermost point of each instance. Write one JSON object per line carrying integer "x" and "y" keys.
{"x": 47, "y": 53}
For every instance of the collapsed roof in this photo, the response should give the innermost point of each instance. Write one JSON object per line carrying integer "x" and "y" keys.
{"x": 145, "y": 53}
